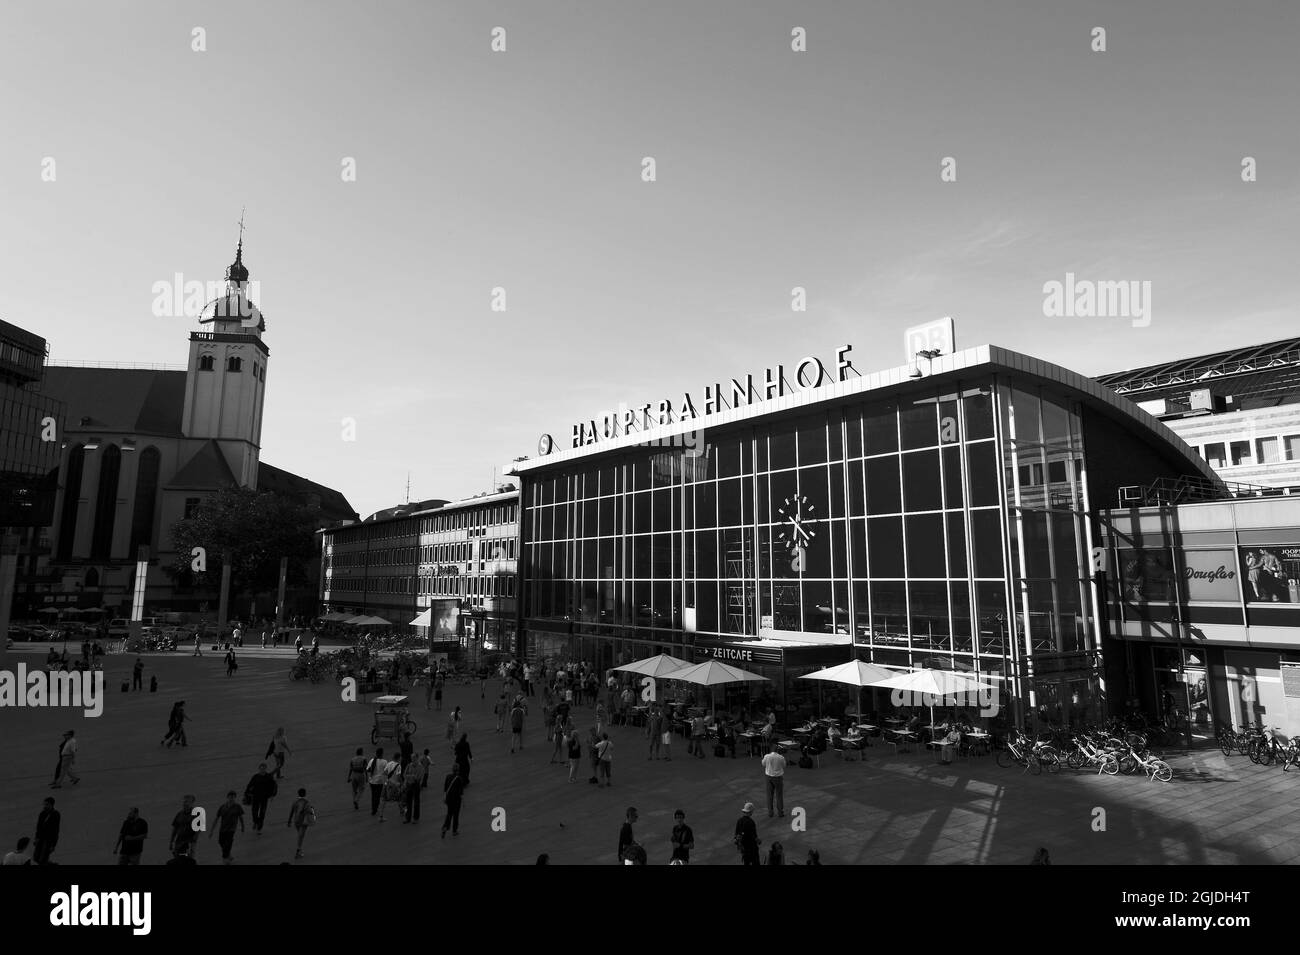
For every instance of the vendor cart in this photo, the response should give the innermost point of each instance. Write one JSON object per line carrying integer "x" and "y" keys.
{"x": 392, "y": 718}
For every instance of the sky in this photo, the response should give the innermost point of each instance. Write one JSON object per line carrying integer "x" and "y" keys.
{"x": 523, "y": 170}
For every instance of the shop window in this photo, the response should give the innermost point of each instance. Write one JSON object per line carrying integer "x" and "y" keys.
{"x": 1214, "y": 455}
{"x": 1241, "y": 454}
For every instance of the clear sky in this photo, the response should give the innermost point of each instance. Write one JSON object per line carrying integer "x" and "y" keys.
{"x": 523, "y": 169}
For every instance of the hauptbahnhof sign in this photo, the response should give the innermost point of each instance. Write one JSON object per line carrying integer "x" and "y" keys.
{"x": 810, "y": 372}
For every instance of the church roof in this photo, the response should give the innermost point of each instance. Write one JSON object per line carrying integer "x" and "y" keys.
{"x": 129, "y": 400}
{"x": 207, "y": 468}
{"x": 334, "y": 507}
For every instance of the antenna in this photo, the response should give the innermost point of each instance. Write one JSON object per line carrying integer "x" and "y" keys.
{"x": 408, "y": 487}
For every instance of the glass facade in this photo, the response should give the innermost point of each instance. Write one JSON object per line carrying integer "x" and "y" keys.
{"x": 942, "y": 528}
{"x": 31, "y": 431}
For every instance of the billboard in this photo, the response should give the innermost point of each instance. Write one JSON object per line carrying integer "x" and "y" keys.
{"x": 1147, "y": 575}
{"x": 1210, "y": 575}
{"x": 444, "y": 620}
{"x": 1271, "y": 574}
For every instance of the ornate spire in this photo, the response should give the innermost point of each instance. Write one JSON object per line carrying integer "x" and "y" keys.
{"x": 237, "y": 274}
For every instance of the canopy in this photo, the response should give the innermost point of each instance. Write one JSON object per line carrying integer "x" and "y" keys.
{"x": 366, "y": 621}
{"x": 335, "y": 617}
{"x": 658, "y": 666}
{"x": 934, "y": 682}
{"x": 425, "y": 619}
{"x": 714, "y": 673}
{"x": 854, "y": 673}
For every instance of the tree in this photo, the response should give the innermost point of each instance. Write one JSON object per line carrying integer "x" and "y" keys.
{"x": 256, "y": 529}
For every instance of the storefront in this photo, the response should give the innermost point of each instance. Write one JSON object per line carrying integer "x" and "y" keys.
{"x": 929, "y": 520}
{"x": 1204, "y": 600}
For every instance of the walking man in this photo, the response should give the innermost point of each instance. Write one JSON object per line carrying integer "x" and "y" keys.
{"x": 500, "y": 711}
{"x": 683, "y": 839}
{"x": 183, "y": 835}
{"x": 414, "y": 773}
{"x": 229, "y": 815}
{"x": 137, "y": 675}
{"x": 375, "y": 771}
{"x": 198, "y": 647}
{"x": 625, "y": 837}
{"x": 747, "y": 836}
{"x": 47, "y": 832}
{"x": 261, "y": 789}
{"x": 130, "y": 840}
{"x": 774, "y": 771}
{"x": 454, "y": 788}
{"x": 654, "y": 727}
{"x": 605, "y": 751}
{"x": 517, "y": 726}
{"x": 67, "y": 761}
{"x": 231, "y": 665}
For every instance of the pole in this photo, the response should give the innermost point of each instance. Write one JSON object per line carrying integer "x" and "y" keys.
{"x": 279, "y": 600}
{"x": 223, "y": 607}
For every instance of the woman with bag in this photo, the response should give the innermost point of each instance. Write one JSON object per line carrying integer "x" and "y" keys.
{"x": 454, "y": 724}
{"x": 279, "y": 748}
{"x": 357, "y": 777}
{"x": 302, "y": 814}
{"x": 392, "y": 787}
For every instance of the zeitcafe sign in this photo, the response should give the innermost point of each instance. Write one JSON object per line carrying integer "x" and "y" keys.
{"x": 808, "y": 372}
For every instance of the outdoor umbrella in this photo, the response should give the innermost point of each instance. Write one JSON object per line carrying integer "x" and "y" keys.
{"x": 656, "y": 667}
{"x": 425, "y": 619}
{"x": 854, "y": 673}
{"x": 937, "y": 684}
{"x": 711, "y": 673}
{"x": 367, "y": 621}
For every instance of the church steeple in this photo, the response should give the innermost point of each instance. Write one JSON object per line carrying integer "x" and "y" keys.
{"x": 237, "y": 274}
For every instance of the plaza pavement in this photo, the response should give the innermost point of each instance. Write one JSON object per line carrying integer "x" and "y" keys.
{"x": 887, "y": 809}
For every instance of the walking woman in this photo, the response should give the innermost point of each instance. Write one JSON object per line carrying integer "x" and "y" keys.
{"x": 280, "y": 749}
{"x": 463, "y": 757}
{"x": 602, "y": 717}
{"x": 575, "y": 754}
{"x": 357, "y": 777}
{"x": 454, "y": 726}
{"x": 561, "y": 731}
{"x": 176, "y": 726}
{"x": 302, "y": 815}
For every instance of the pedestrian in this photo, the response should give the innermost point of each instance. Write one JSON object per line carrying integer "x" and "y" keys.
{"x": 426, "y": 763}
{"x": 697, "y": 735}
{"x": 543, "y": 859}
{"x": 411, "y": 794}
{"x": 231, "y": 665}
{"x": 183, "y": 836}
{"x": 176, "y": 725}
{"x": 1041, "y": 857}
{"x": 261, "y": 789}
{"x": 437, "y": 690}
{"x": 575, "y": 753}
{"x": 463, "y": 758}
{"x": 746, "y": 837}
{"x": 453, "y": 788}
{"x": 814, "y": 857}
{"x": 517, "y": 726}
{"x": 392, "y": 787}
{"x": 357, "y": 776}
{"x": 238, "y": 636}
{"x": 774, "y": 771}
{"x": 454, "y": 723}
{"x": 297, "y": 643}
{"x": 198, "y": 647}
{"x": 593, "y": 741}
{"x": 47, "y": 832}
{"x": 130, "y": 839}
{"x": 602, "y": 717}
{"x": 605, "y": 750}
{"x": 229, "y": 815}
{"x": 560, "y": 732}
{"x": 428, "y": 690}
{"x": 406, "y": 751}
{"x": 625, "y": 837}
{"x": 302, "y": 815}
{"x": 375, "y": 772}
{"x": 22, "y": 854}
{"x": 263, "y": 639}
{"x": 528, "y": 680}
{"x": 279, "y": 748}
{"x": 499, "y": 711}
{"x": 67, "y": 761}
{"x": 137, "y": 675}
{"x": 683, "y": 838}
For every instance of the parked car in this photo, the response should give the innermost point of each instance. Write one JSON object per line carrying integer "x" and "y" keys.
{"x": 39, "y": 631}
{"x": 119, "y": 627}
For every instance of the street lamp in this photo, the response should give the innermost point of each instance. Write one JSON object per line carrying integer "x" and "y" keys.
{"x": 929, "y": 354}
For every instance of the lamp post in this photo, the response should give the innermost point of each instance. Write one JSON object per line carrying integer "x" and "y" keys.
{"x": 929, "y": 354}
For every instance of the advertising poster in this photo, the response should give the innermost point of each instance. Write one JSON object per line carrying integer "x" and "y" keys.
{"x": 1271, "y": 574}
{"x": 1210, "y": 575}
{"x": 1147, "y": 575}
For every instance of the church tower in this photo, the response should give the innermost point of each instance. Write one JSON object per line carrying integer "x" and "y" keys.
{"x": 225, "y": 383}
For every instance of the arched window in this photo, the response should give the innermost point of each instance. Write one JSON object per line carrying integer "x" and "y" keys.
{"x": 101, "y": 538}
{"x": 205, "y": 363}
{"x": 146, "y": 493}
{"x": 234, "y": 364}
{"x": 71, "y": 495}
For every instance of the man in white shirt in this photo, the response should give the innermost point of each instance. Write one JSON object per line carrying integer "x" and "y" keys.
{"x": 528, "y": 680}
{"x": 774, "y": 769}
{"x": 67, "y": 761}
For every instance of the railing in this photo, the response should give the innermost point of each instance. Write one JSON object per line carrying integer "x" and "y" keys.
{"x": 1189, "y": 490}
{"x": 115, "y": 364}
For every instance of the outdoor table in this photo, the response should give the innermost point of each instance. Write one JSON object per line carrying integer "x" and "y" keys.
{"x": 894, "y": 722}
{"x": 866, "y": 726}
{"x": 902, "y": 736}
{"x": 980, "y": 737}
{"x": 786, "y": 745}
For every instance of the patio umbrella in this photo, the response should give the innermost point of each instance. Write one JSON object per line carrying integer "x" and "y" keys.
{"x": 938, "y": 684}
{"x": 425, "y": 619}
{"x": 656, "y": 667}
{"x": 854, "y": 673}
{"x": 711, "y": 673}
{"x": 48, "y": 610}
{"x": 367, "y": 621}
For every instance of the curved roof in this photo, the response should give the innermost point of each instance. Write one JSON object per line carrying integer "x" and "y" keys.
{"x": 983, "y": 359}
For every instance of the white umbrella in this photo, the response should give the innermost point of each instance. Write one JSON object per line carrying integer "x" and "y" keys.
{"x": 658, "y": 666}
{"x": 854, "y": 673}
{"x": 367, "y": 621}
{"x": 712, "y": 673}
{"x": 939, "y": 684}
{"x": 423, "y": 620}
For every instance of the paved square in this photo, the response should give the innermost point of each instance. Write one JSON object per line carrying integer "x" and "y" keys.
{"x": 887, "y": 809}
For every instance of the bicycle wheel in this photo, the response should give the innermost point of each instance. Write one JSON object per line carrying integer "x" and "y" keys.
{"x": 1076, "y": 759}
{"x": 1254, "y": 751}
{"x": 1035, "y": 766}
{"x": 1128, "y": 765}
{"x": 1110, "y": 765}
{"x": 1161, "y": 770}
{"x": 1267, "y": 754}
{"x": 410, "y": 727}
{"x": 1051, "y": 762}
{"x": 1227, "y": 745}
{"x": 374, "y": 736}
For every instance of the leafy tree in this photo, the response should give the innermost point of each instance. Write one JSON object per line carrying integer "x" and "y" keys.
{"x": 256, "y": 529}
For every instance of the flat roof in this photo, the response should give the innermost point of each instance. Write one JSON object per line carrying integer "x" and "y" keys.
{"x": 984, "y": 358}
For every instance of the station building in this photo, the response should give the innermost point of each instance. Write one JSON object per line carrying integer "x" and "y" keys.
{"x": 939, "y": 514}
